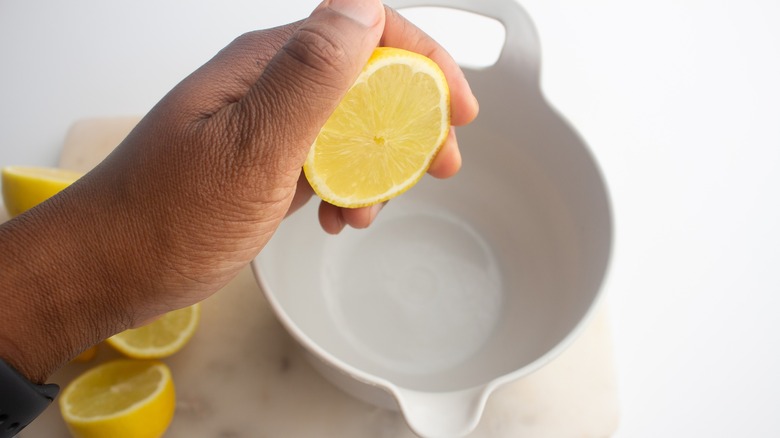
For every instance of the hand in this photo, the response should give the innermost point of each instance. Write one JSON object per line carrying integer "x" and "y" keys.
{"x": 197, "y": 189}
{"x": 400, "y": 33}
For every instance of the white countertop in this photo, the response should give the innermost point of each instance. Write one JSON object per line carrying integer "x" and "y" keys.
{"x": 680, "y": 102}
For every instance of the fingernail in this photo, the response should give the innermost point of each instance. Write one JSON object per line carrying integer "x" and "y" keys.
{"x": 364, "y": 12}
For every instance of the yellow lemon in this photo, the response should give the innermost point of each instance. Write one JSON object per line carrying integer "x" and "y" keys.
{"x": 120, "y": 399}
{"x": 161, "y": 338}
{"x": 384, "y": 134}
{"x": 25, "y": 187}
{"x": 86, "y": 355}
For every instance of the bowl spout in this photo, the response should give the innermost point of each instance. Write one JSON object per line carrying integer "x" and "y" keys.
{"x": 442, "y": 414}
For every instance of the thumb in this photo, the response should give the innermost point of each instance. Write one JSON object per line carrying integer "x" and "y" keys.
{"x": 304, "y": 82}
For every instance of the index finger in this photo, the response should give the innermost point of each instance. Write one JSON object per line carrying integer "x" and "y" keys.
{"x": 401, "y": 33}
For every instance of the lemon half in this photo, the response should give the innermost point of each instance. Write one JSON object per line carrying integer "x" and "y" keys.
{"x": 120, "y": 399}
{"x": 384, "y": 134}
{"x": 161, "y": 338}
{"x": 25, "y": 187}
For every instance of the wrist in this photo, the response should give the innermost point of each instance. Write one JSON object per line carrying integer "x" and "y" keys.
{"x": 60, "y": 293}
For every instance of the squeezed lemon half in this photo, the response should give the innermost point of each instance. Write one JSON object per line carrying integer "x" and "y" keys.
{"x": 384, "y": 134}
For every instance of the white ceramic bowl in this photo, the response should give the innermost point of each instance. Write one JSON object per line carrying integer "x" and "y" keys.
{"x": 463, "y": 284}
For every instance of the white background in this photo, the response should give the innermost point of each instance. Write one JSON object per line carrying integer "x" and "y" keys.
{"x": 679, "y": 99}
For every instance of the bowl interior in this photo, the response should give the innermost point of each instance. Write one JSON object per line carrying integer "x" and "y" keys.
{"x": 459, "y": 281}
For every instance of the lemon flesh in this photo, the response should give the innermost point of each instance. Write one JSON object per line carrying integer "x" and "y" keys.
{"x": 161, "y": 338}
{"x": 25, "y": 187}
{"x": 384, "y": 134}
{"x": 120, "y": 399}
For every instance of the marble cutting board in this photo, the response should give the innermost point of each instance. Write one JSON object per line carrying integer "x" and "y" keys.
{"x": 243, "y": 376}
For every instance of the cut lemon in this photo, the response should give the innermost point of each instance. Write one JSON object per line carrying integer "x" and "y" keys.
{"x": 161, "y": 338}
{"x": 384, "y": 134}
{"x": 120, "y": 399}
{"x": 86, "y": 355}
{"x": 25, "y": 187}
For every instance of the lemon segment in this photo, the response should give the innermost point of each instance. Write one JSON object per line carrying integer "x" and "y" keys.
{"x": 120, "y": 399}
{"x": 161, "y": 338}
{"x": 384, "y": 134}
{"x": 25, "y": 187}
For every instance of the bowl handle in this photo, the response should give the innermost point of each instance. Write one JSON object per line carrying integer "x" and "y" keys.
{"x": 521, "y": 51}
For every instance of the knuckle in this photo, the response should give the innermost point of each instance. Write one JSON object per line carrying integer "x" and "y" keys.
{"x": 256, "y": 140}
{"x": 252, "y": 49}
{"x": 250, "y": 39}
{"x": 245, "y": 38}
{"x": 318, "y": 51}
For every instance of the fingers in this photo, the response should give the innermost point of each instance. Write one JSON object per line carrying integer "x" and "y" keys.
{"x": 401, "y": 33}
{"x": 330, "y": 218}
{"x": 333, "y": 219}
{"x": 302, "y": 85}
{"x": 448, "y": 161}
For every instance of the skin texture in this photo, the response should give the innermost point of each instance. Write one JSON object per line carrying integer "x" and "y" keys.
{"x": 196, "y": 190}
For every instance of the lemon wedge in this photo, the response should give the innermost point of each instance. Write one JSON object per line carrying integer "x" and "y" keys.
{"x": 161, "y": 338}
{"x": 25, "y": 187}
{"x": 120, "y": 399}
{"x": 384, "y": 134}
